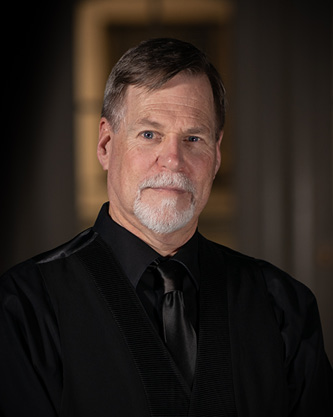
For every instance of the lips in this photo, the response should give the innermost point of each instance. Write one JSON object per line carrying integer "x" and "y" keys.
{"x": 168, "y": 189}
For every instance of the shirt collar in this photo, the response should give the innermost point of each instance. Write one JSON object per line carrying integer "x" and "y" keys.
{"x": 134, "y": 255}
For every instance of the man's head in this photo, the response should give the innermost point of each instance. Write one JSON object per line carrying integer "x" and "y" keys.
{"x": 159, "y": 140}
{"x": 150, "y": 65}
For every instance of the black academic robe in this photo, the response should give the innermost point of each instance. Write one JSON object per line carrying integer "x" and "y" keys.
{"x": 75, "y": 341}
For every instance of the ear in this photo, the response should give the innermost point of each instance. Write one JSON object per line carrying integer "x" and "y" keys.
{"x": 103, "y": 147}
{"x": 218, "y": 152}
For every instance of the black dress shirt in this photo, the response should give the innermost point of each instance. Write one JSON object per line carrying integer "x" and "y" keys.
{"x": 135, "y": 256}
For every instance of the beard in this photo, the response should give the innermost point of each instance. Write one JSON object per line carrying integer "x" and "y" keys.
{"x": 165, "y": 217}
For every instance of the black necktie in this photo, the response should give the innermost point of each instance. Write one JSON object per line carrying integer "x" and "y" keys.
{"x": 179, "y": 335}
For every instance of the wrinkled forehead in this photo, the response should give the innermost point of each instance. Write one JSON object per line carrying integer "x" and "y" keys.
{"x": 185, "y": 98}
{"x": 192, "y": 91}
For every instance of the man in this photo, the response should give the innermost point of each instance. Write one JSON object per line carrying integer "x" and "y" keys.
{"x": 91, "y": 328}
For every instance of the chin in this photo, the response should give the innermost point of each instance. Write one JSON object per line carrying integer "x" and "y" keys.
{"x": 164, "y": 218}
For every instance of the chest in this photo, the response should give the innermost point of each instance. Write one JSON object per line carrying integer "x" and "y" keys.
{"x": 115, "y": 361}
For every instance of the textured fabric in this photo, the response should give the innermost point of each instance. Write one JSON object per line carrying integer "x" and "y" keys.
{"x": 157, "y": 371}
{"x": 213, "y": 390}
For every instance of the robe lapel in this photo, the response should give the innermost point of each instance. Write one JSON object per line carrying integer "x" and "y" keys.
{"x": 166, "y": 390}
{"x": 213, "y": 392}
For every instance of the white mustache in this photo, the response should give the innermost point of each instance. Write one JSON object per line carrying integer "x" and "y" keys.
{"x": 165, "y": 179}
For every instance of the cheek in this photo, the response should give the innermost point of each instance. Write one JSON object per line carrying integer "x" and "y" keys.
{"x": 126, "y": 171}
{"x": 203, "y": 170}
{"x": 203, "y": 177}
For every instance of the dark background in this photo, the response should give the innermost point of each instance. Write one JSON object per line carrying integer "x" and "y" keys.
{"x": 281, "y": 116}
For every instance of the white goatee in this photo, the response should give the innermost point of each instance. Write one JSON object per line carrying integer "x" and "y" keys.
{"x": 165, "y": 218}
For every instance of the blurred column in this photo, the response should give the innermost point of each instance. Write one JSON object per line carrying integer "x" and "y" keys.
{"x": 37, "y": 194}
{"x": 284, "y": 140}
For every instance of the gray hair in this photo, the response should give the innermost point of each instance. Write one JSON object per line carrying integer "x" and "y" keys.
{"x": 151, "y": 64}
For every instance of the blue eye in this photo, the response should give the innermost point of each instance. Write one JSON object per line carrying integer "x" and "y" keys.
{"x": 148, "y": 134}
{"x": 193, "y": 139}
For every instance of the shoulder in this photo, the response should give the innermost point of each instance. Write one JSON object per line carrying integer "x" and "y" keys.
{"x": 242, "y": 270}
{"x": 276, "y": 280}
{"x": 289, "y": 297}
{"x": 27, "y": 292}
{"x": 293, "y": 303}
{"x": 26, "y": 276}
{"x": 225, "y": 255}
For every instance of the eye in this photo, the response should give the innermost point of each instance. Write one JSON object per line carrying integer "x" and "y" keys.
{"x": 193, "y": 139}
{"x": 148, "y": 134}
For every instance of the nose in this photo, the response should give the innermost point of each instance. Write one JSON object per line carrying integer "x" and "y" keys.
{"x": 170, "y": 154}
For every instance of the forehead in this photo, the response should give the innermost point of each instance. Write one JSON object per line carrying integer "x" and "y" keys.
{"x": 182, "y": 95}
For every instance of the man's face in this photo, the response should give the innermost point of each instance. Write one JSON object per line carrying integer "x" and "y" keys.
{"x": 162, "y": 160}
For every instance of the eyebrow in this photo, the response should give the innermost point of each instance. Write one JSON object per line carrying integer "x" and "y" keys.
{"x": 149, "y": 122}
{"x": 194, "y": 130}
